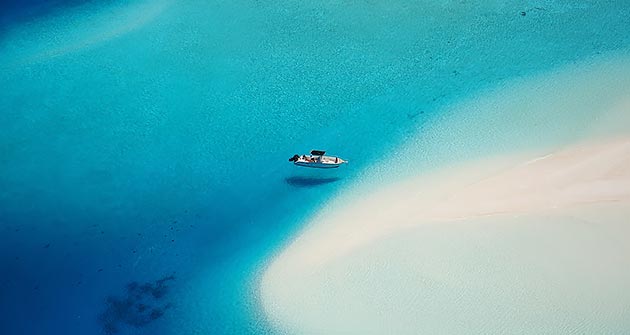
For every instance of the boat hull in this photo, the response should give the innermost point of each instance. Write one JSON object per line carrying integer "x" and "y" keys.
{"x": 318, "y": 165}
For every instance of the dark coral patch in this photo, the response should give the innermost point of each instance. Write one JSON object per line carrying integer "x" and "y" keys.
{"x": 141, "y": 305}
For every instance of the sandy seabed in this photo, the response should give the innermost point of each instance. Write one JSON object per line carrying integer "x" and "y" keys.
{"x": 528, "y": 242}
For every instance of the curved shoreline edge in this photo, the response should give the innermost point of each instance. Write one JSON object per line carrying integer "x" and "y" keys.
{"x": 369, "y": 263}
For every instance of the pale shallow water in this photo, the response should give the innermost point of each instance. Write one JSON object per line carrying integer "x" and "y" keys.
{"x": 562, "y": 272}
{"x": 125, "y": 128}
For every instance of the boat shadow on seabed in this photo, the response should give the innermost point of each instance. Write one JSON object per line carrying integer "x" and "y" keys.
{"x": 301, "y": 181}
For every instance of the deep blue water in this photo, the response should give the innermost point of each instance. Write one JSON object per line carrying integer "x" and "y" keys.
{"x": 144, "y": 179}
{"x": 27, "y": 10}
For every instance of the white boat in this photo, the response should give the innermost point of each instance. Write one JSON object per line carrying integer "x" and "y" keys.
{"x": 317, "y": 160}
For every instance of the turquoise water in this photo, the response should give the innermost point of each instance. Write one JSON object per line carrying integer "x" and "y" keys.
{"x": 147, "y": 142}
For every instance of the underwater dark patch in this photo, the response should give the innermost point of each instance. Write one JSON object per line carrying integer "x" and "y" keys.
{"x": 141, "y": 305}
{"x": 309, "y": 182}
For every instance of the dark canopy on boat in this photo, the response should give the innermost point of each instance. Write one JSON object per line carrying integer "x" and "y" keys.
{"x": 318, "y": 152}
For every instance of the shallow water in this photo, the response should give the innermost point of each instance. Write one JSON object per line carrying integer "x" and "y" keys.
{"x": 550, "y": 273}
{"x": 142, "y": 139}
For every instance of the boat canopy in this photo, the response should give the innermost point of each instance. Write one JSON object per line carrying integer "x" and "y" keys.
{"x": 318, "y": 152}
